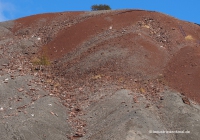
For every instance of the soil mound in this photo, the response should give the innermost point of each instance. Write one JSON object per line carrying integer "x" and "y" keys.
{"x": 132, "y": 43}
{"x": 99, "y": 75}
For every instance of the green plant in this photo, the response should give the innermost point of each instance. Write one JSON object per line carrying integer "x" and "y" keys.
{"x": 100, "y": 7}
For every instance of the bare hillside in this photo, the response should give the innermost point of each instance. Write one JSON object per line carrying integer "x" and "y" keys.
{"x": 99, "y": 75}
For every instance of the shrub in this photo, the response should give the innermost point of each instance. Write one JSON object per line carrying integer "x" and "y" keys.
{"x": 100, "y": 7}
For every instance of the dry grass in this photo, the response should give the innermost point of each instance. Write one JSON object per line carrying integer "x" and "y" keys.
{"x": 189, "y": 37}
{"x": 43, "y": 60}
{"x": 146, "y": 26}
{"x": 142, "y": 90}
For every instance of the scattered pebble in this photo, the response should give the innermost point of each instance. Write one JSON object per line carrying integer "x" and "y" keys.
{"x": 161, "y": 98}
{"x": 78, "y": 135}
{"x": 20, "y": 89}
{"x": 4, "y": 64}
{"x": 6, "y": 79}
{"x": 20, "y": 68}
{"x": 186, "y": 100}
{"x": 12, "y": 76}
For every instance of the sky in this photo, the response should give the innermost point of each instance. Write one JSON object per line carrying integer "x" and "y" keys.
{"x": 187, "y": 10}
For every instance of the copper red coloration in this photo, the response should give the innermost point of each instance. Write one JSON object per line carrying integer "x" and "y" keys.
{"x": 152, "y": 44}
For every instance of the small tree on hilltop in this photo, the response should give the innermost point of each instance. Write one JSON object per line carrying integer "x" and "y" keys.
{"x": 100, "y": 7}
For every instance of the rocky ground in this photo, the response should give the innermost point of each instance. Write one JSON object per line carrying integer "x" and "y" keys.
{"x": 99, "y": 75}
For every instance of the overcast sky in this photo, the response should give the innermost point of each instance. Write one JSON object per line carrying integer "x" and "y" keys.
{"x": 188, "y": 10}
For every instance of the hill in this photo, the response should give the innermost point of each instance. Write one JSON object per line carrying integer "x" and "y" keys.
{"x": 99, "y": 75}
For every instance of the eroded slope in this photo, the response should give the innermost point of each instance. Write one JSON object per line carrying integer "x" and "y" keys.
{"x": 113, "y": 70}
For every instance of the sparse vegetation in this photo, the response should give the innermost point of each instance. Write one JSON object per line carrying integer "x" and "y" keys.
{"x": 142, "y": 90}
{"x": 100, "y": 7}
{"x": 189, "y": 37}
{"x": 43, "y": 60}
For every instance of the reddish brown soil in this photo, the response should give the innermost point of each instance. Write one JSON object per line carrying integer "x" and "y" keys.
{"x": 75, "y": 35}
{"x": 132, "y": 44}
{"x": 34, "y": 20}
{"x": 183, "y": 72}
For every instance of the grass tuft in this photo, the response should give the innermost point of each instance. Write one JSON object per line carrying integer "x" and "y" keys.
{"x": 43, "y": 60}
{"x": 189, "y": 37}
